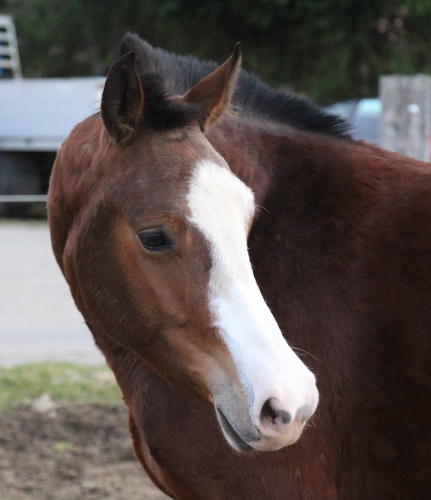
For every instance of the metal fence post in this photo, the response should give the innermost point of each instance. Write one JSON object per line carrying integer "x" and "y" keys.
{"x": 406, "y": 114}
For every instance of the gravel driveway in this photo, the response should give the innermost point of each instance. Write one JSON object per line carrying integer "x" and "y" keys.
{"x": 38, "y": 319}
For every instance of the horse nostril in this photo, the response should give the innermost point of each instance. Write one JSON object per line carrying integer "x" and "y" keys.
{"x": 286, "y": 417}
{"x": 272, "y": 414}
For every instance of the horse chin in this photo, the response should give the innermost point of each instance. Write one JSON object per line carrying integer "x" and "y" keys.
{"x": 232, "y": 437}
{"x": 239, "y": 444}
{"x": 273, "y": 444}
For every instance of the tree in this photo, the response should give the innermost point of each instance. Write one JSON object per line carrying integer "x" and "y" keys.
{"x": 326, "y": 49}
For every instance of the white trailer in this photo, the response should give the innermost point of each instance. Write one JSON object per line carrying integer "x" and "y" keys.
{"x": 36, "y": 115}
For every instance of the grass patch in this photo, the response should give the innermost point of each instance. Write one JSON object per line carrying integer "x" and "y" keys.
{"x": 65, "y": 382}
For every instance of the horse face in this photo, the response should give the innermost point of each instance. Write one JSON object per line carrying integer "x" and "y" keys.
{"x": 267, "y": 394}
{"x": 162, "y": 265}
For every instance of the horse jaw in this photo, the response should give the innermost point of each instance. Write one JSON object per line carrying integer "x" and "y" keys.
{"x": 277, "y": 392}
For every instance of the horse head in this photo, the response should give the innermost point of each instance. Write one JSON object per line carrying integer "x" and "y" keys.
{"x": 150, "y": 227}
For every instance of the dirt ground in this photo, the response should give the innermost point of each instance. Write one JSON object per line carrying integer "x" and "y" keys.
{"x": 73, "y": 452}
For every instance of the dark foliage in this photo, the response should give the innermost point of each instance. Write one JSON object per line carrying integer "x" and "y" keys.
{"x": 326, "y": 49}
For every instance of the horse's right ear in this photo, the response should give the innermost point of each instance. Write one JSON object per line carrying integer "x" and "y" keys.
{"x": 122, "y": 99}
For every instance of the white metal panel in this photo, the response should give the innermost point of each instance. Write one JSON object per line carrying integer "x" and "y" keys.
{"x": 38, "y": 114}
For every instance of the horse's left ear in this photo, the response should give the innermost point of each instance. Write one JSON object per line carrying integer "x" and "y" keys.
{"x": 214, "y": 93}
{"x": 122, "y": 99}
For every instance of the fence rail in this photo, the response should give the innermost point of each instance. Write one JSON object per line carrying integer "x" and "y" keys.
{"x": 23, "y": 198}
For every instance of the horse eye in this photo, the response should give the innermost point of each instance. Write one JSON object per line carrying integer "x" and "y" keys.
{"x": 155, "y": 239}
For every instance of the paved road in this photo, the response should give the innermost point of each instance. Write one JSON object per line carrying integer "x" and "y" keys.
{"x": 38, "y": 319}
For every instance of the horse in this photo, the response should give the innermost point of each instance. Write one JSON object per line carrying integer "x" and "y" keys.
{"x": 229, "y": 245}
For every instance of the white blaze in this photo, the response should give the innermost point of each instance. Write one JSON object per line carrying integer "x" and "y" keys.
{"x": 222, "y": 207}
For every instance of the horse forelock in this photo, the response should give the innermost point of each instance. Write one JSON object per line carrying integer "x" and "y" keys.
{"x": 160, "y": 111}
{"x": 252, "y": 98}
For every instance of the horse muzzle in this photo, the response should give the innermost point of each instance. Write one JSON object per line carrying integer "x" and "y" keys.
{"x": 275, "y": 426}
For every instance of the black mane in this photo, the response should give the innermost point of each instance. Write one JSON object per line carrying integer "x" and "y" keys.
{"x": 252, "y": 97}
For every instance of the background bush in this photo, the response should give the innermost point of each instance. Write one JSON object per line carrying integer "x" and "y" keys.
{"x": 326, "y": 49}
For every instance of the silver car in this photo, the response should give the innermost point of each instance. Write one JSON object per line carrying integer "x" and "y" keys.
{"x": 363, "y": 115}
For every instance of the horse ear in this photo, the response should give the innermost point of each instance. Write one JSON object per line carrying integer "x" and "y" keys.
{"x": 122, "y": 99}
{"x": 214, "y": 93}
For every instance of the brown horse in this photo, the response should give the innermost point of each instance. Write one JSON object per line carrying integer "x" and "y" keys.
{"x": 151, "y": 209}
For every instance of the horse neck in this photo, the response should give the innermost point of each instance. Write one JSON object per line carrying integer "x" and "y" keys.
{"x": 270, "y": 157}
